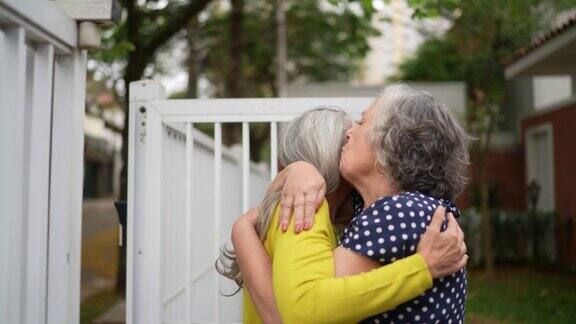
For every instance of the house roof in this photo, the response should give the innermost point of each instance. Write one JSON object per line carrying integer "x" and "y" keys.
{"x": 542, "y": 39}
{"x": 551, "y": 53}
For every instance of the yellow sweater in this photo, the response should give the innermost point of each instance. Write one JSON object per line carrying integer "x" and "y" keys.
{"x": 307, "y": 291}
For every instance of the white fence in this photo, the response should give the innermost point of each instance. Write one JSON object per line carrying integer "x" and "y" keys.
{"x": 184, "y": 193}
{"x": 42, "y": 86}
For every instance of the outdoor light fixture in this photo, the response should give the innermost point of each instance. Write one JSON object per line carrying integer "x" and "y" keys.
{"x": 90, "y": 14}
{"x": 533, "y": 193}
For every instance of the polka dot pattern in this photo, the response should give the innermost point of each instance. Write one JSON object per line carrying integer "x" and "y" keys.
{"x": 389, "y": 230}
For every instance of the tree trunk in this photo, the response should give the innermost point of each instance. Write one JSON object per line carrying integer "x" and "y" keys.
{"x": 232, "y": 132}
{"x": 281, "y": 57}
{"x": 193, "y": 58}
{"x": 486, "y": 224}
{"x": 485, "y": 193}
{"x": 235, "y": 49}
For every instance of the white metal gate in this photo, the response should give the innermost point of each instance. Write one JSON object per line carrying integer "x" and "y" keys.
{"x": 185, "y": 190}
{"x": 42, "y": 86}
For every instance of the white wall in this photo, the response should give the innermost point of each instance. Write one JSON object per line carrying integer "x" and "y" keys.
{"x": 551, "y": 89}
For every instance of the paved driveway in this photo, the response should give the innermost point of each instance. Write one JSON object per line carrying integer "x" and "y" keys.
{"x": 99, "y": 245}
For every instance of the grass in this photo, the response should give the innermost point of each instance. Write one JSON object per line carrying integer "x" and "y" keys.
{"x": 521, "y": 296}
{"x": 96, "y": 305}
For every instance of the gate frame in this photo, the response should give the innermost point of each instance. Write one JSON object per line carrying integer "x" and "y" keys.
{"x": 148, "y": 112}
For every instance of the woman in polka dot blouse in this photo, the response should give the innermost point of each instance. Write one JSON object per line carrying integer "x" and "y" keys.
{"x": 405, "y": 157}
{"x": 389, "y": 230}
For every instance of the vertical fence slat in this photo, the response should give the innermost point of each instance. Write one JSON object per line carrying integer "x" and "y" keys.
{"x": 273, "y": 150}
{"x": 245, "y": 166}
{"x": 217, "y": 203}
{"x": 12, "y": 121}
{"x": 155, "y": 219}
{"x": 189, "y": 224}
{"x": 66, "y": 177}
{"x": 39, "y": 171}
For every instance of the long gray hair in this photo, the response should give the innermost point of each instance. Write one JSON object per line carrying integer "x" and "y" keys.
{"x": 315, "y": 137}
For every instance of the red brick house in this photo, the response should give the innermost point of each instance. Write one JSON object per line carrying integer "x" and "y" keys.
{"x": 541, "y": 113}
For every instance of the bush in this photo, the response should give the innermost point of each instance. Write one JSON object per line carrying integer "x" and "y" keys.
{"x": 517, "y": 237}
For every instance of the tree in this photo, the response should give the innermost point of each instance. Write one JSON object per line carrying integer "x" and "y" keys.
{"x": 483, "y": 35}
{"x": 133, "y": 45}
{"x": 326, "y": 42}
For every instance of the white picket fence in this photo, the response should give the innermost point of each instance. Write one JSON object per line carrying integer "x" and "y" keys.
{"x": 42, "y": 87}
{"x": 185, "y": 190}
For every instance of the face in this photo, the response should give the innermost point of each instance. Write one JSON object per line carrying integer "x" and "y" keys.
{"x": 357, "y": 159}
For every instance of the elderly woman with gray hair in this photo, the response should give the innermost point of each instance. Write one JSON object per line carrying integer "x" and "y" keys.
{"x": 406, "y": 158}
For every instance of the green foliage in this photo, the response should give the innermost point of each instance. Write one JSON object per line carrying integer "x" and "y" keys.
{"x": 115, "y": 45}
{"x": 483, "y": 35}
{"x": 323, "y": 44}
{"x": 433, "y": 8}
{"x": 435, "y": 60}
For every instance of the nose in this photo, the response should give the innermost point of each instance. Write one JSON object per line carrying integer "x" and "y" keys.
{"x": 350, "y": 131}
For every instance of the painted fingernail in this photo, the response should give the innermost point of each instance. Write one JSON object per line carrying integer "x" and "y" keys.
{"x": 306, "y": 226}
{"x": 284, "y": 227}
{"x": 298, "y": 228}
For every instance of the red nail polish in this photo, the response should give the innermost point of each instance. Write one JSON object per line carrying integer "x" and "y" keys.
{"x": 298, "y": 228}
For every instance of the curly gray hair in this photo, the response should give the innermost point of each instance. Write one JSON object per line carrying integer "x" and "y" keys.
{"x": 419, "y": 144}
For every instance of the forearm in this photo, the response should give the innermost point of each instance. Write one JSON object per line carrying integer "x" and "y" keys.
{"x": 350, "y": 299}
{"x": 256, "y": 269}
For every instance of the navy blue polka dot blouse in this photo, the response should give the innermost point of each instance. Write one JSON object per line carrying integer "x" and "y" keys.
{"x": 389, "y": 230}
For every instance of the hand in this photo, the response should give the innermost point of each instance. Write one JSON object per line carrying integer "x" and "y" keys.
{"x": 443, "y": 252}
{"x": 302, "y": 193}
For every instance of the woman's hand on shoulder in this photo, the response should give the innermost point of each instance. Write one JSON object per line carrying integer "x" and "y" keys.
{"x": 302, "y": 194}
{"x": 444, "y": 252}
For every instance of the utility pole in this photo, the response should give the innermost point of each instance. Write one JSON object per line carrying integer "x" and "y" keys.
{"x": 281, "y": 80}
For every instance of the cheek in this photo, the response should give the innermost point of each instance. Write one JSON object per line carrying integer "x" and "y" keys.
{"x": 364, "y": 151}
{"x": 356, "y": 160}
{"x": 363, "y": 154}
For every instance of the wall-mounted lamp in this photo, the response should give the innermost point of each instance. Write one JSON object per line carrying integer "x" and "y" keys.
{"x": 90, "y": 15}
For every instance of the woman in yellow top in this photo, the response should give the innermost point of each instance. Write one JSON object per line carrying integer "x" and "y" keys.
{"x": 303, "y": 266}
